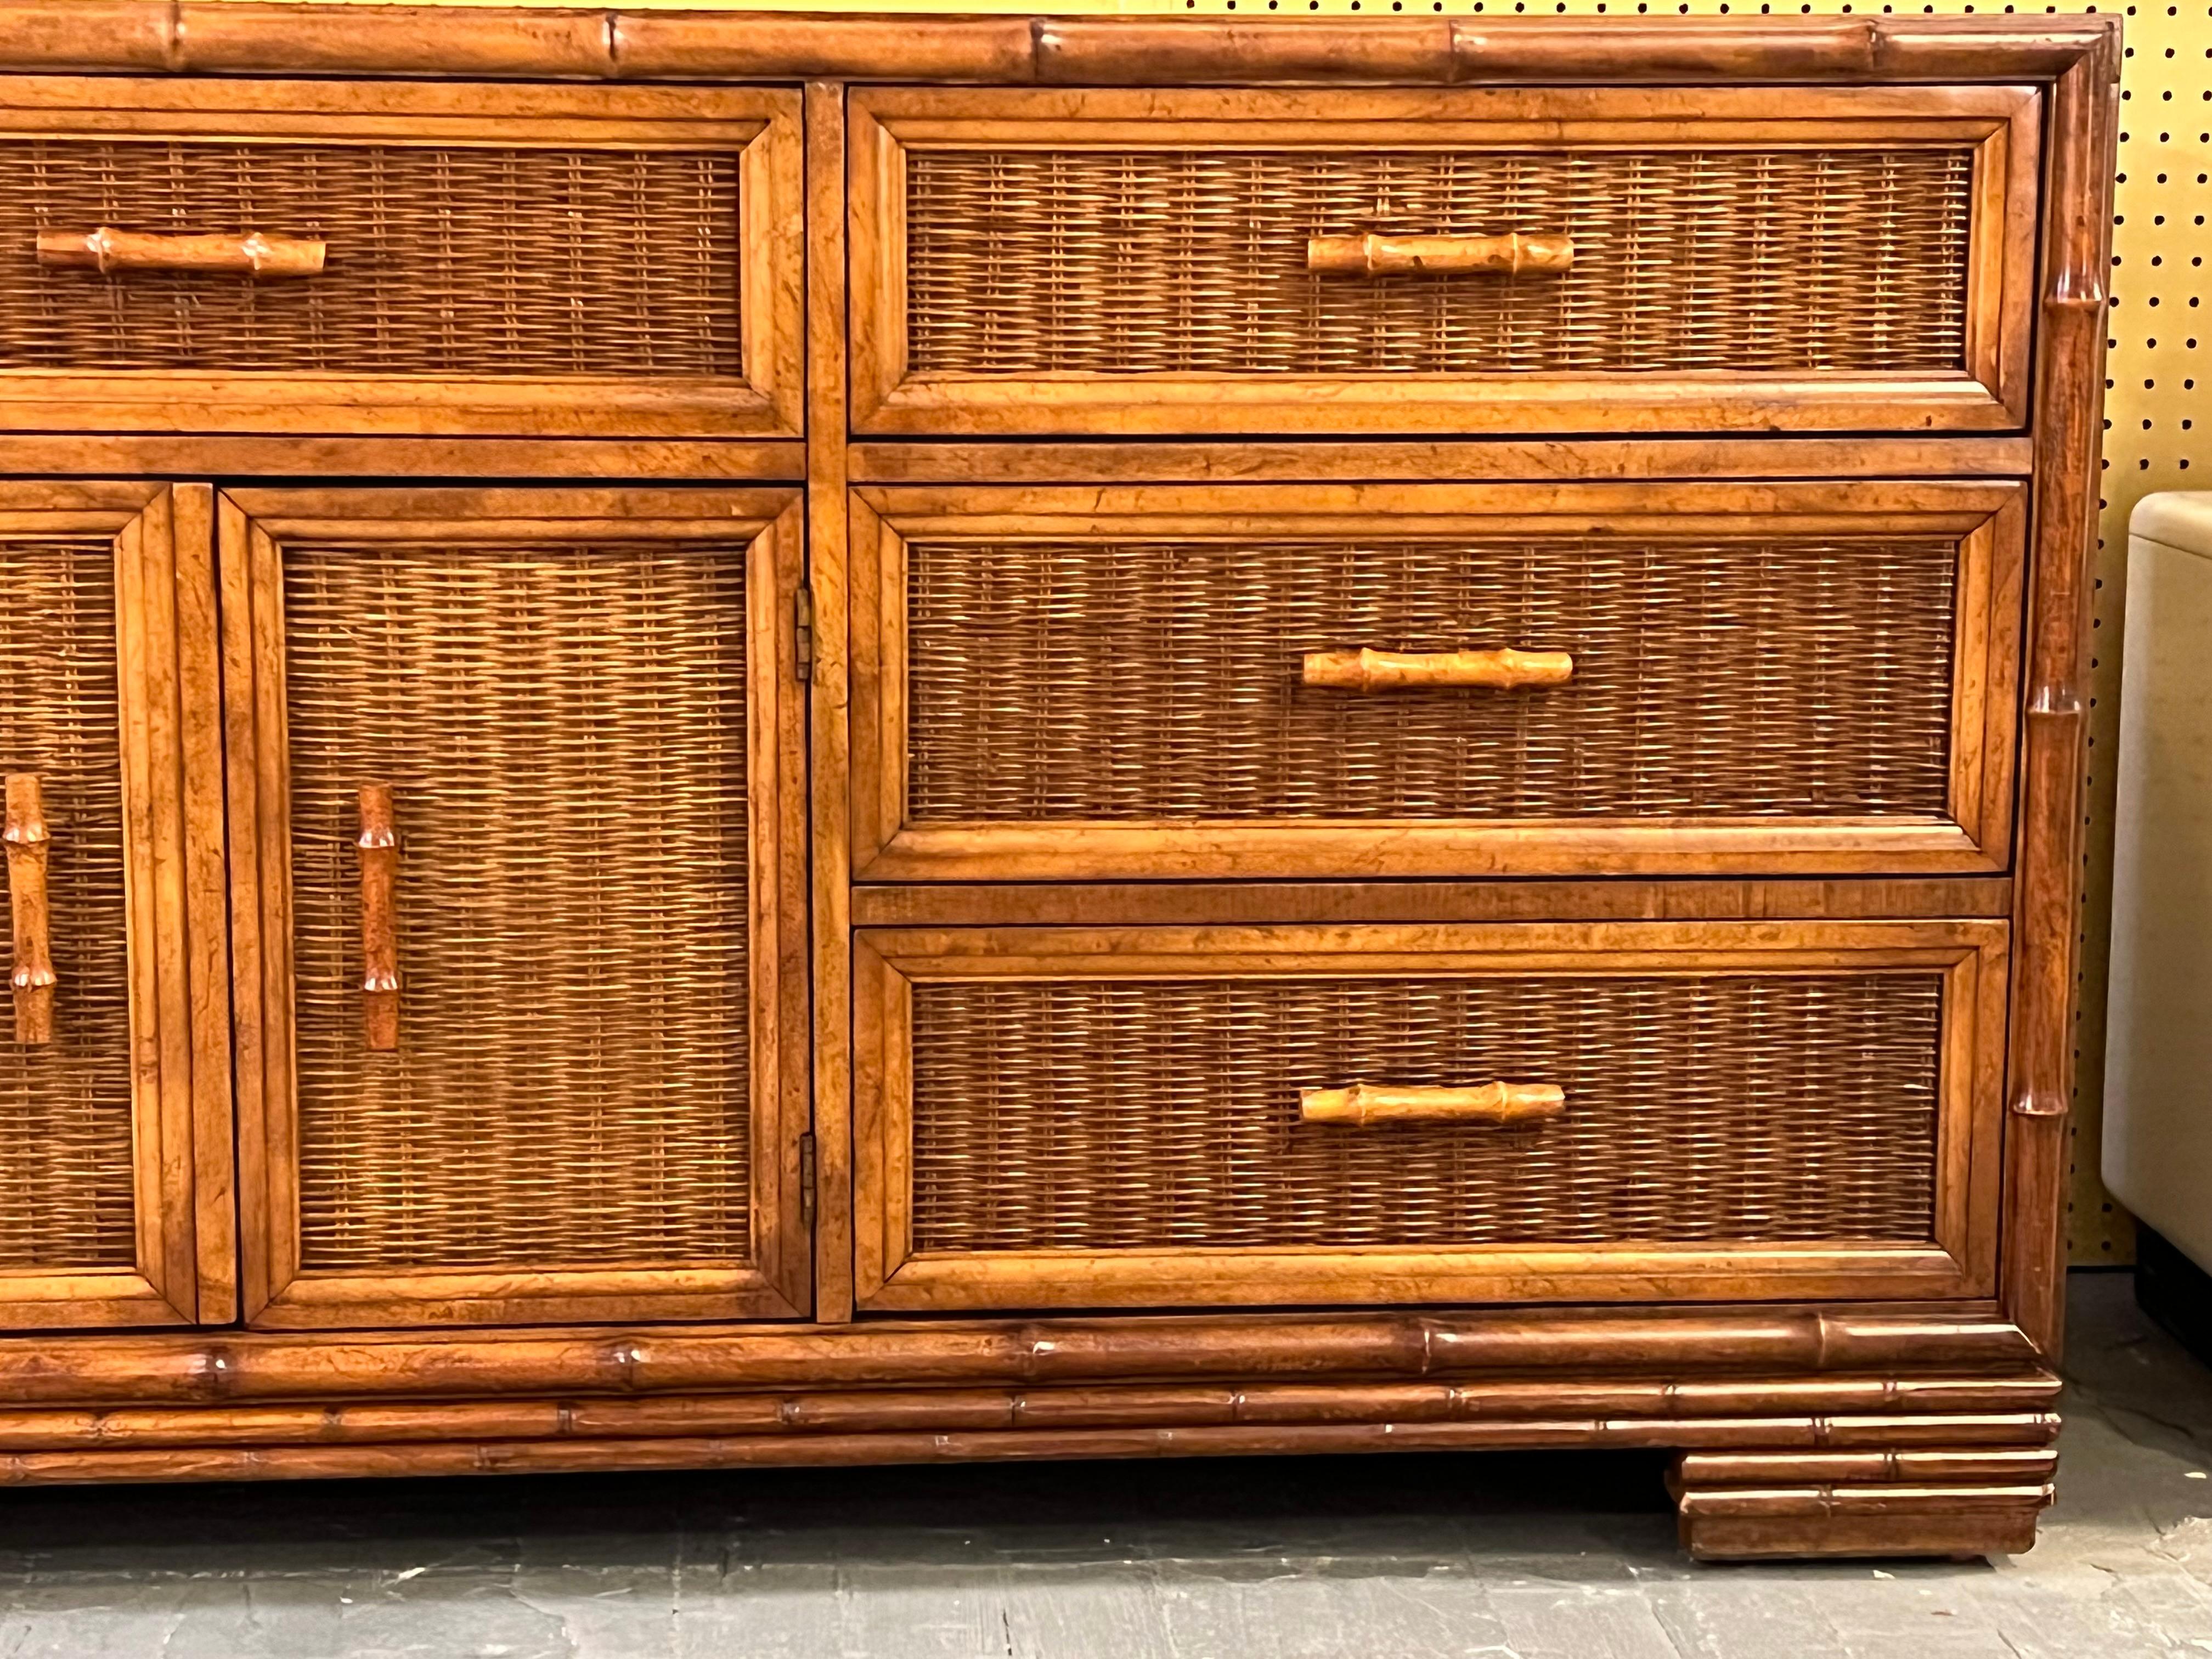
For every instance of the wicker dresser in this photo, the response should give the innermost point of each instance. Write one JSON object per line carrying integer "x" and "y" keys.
{"x": 744, "y": 739}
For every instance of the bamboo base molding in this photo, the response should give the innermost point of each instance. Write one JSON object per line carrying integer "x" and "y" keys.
{"x": 244, "y": 1365}
{"x": 1887, "y": 1431}
{"x": 1807, "y": 1528}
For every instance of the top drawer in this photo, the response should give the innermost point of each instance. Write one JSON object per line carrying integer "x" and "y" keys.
{"x": 1747, "y": 258}
{"x": 455, "y": 259}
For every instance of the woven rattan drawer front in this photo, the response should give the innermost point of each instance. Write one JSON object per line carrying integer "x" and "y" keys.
{"x": 1137, "y": 681}
{"x": 429, "y": 259}
{"x": 1130, "y": 1116}
{"x": 1565, "y": 260}
{"x": 537, "y": 753}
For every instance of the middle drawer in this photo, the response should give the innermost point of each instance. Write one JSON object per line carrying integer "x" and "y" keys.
{"x": 1352, "y": 681}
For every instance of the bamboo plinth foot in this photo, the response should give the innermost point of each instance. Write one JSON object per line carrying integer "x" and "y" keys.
{"x": 1959, "y": 1504}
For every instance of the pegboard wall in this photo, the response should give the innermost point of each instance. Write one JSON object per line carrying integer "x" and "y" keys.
{"x": 2159, "y": 397}
{"x": 2157, "y": 405}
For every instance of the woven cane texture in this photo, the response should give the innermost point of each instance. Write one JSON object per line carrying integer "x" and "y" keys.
{"x": 65, "y": 1170}
{"x": 442, "y": 261}
{"x": 1136, "y": 1114}
{"x": 563, "y": 729}
{"x": 1030, "y": 262}
{"x": 1161, "y": 679}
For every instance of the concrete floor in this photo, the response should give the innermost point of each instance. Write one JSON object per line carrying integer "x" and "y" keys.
{"x": 1564, "y": 1556}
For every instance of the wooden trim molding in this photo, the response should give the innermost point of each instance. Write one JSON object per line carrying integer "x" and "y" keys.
{"x": 1860, "y": 1411}
{"x": 1962, "y": 1437}
{"x": 1497, "y": 460}
{"x": 210, "y": 37}
{"x": 1792, "y": 1341}
{"x": 2069, "y": 376}
{"x": 829, "y": 700}
{"x": 1004, "y": 904}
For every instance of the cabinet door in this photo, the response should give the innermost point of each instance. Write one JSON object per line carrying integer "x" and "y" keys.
{"x": 516, "y": 785}
{"x": 115, "y": 1164}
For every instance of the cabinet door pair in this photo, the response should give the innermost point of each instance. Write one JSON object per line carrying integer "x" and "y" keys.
{"x": 468, "y": 822}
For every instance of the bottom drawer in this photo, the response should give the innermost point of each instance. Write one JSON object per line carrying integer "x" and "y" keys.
{"x": 1056, "y": 1117}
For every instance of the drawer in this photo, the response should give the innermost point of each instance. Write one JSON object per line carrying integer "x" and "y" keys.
{"x": 1562, "y": 259}
{"x": 1167, "y": 680}
{"x": 1051, "y": 1117}
{"x": 517, "y": 799}
{"x": 333, "y": 258}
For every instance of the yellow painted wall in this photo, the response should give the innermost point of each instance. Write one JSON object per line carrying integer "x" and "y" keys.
{"x": 2158, "y": 404}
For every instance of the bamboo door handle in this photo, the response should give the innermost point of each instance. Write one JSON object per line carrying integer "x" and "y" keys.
{"x": 107, "y": 250}
{"x": 1364, "y": 1104}
{"x": 379, "y": 845}
{"x": 27, "y": 839}
{"x": 1386, "y": 671}
{"x": 1388, "y": 256}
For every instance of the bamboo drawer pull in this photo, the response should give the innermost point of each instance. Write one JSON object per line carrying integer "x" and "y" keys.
{"x": 107, "y": 251}
{"x": 1388, "y": 256}
{"x": 379, "y": 845}
{"x": 27, "y": 839}
{"x": 1386, "y": 671}
{"x": 1364, "y": 1104}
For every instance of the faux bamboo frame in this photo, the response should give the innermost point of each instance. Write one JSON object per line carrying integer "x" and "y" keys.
{"x": 1916, "y": 1421}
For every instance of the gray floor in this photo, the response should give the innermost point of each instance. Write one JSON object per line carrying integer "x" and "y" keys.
{"x": 1561, "y": 1556}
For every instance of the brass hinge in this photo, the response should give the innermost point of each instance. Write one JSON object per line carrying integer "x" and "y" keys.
{"x": 804, "y": 608}
{"x": 807, "y": 1176}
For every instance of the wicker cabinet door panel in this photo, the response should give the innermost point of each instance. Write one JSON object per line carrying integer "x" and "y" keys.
{"x": 1348, "y": 680}
{"x": 380, "y": 258}
{"x": 1561, "y": 259}
{"x": 1161, "y": 1117}
{"x": 519, "y": 909}
{"x": 114, "y": 1091}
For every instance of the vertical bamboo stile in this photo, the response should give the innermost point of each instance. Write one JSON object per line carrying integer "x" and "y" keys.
{"x": 2047, "y": 922}
{"x": 378, "y": 842}
{"x": 28, "y": 839}
{"x": 828, "y": 695}
{"x": 191, "y": 568}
